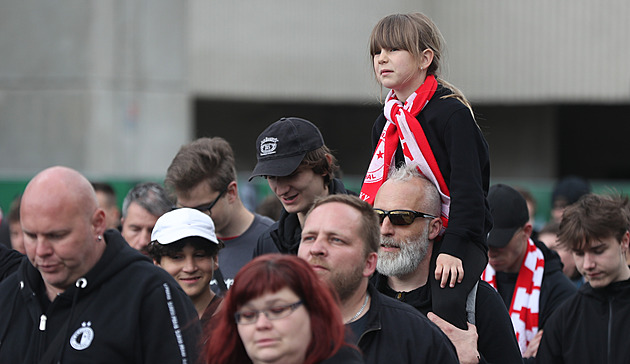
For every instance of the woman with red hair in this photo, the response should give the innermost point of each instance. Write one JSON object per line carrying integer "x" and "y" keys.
{"x": 278, "y": 311}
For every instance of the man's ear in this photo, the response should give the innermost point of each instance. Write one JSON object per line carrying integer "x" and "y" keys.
{"x": 625, "y": 242}
{"x": 99, "y": 222}
{"x": 370, "y": 264}
{"x": 528, "y": 229}
{"x": 435, "y": 226}
{"x": 232, "y": 191}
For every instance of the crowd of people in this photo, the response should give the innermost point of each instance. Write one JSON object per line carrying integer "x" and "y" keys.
{"x": 428, "y": 263}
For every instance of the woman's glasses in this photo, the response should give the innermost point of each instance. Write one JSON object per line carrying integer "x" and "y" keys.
{"x": 401, "y": 217}
{"x": 272, "y": 313}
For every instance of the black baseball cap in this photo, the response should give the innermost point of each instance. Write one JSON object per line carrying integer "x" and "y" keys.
{"x": 282, "y": 146}
{"x": 509, "y": 212}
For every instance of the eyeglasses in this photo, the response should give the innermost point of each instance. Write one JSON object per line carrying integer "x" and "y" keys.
{"x": 207, "y": 208}
{"x": 401, "y": 217}
{"x": 272, "y": 313}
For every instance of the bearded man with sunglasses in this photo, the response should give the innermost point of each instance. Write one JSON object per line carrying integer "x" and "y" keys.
{"x": 203, "y": 177}
{"x": 408, "y": 206}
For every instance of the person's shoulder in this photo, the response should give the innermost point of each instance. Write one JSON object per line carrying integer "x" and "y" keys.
{"x": 262, "y": 220}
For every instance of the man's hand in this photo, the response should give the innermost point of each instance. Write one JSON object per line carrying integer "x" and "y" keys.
{"x": 465, "y": 341}
{"x": 532, "y": 347}
{"x": 446, "y": 265}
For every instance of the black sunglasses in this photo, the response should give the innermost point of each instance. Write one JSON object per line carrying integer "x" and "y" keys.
{"x": 208, "y": 207}
{"x": 401, "y": 217}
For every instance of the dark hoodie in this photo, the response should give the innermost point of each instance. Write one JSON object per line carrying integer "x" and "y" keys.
{"x": 124, "y": 310}
{"x": 589, "y": 328}
{"x": 284, "y": 235}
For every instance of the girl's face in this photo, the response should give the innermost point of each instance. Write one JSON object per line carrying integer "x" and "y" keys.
{"x": 281, "y": 340}
{"x": 398, "y": 70}
{"x": 192, "y": 269}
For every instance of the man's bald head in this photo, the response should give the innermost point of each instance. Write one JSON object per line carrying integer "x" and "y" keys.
{"x": 61, "y": 184}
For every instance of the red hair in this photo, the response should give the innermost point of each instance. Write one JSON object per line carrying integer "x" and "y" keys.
{"x": 268, "y": 274}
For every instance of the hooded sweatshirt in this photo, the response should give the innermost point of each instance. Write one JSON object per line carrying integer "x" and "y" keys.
{"x": 589, "y": 328}
{"x": 124, "y": 310}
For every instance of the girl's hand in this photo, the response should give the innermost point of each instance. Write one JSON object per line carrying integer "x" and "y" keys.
{"x": 446, "y": 265}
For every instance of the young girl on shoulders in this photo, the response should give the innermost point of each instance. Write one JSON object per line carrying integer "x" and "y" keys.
{"x": 429, "y": 123}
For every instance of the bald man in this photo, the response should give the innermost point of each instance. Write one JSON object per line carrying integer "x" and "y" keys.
{"x": 83, "y": 294}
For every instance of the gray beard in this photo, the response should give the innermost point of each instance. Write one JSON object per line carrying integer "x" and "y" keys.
{"x": 405, "y": 261}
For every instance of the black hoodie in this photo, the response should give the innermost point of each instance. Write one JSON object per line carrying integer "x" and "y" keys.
{"x": 124, "y": 310}
{"x": 591, "y": 327}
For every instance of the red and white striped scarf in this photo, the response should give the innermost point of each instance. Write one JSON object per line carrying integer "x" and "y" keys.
{"x": 524, "y": 308}
{"x": 403, "y": 126}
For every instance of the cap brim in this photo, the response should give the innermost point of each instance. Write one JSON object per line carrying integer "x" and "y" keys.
{"x": 278, "y": 167}
{"x": 174, "y": 235}
{"x": 498, "y": 238}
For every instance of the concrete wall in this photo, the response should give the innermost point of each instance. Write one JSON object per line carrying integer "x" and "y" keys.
{"x": 100, "y": 86}
{"x": 497, "y": 51}
{"x": 106, "y": 86}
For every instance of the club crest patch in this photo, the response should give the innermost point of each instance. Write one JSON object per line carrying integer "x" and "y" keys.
{"x": 268, "y": 146}
{"x": 82, "y": 338}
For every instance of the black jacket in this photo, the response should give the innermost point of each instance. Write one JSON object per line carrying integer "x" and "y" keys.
{"x": 284, "y": 235}
{"x": 462, "y": 155}
{"x": 126, "y": 311}
{"x": 9, "y": 261}
{"x": 554, "y": 290}
{"x": 397, "y": 333}
{"x": 496, "y": 342}
{"x": 591, "y": 327}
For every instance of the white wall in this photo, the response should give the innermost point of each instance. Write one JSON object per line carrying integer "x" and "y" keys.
{"x": 100, "y": 86}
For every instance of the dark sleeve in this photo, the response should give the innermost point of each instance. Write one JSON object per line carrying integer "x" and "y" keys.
{"x": 550, "y": 349}
{"x": 265, "y": 244}
{"x": 556, "y": 288}
{"x": 9, "y": 261}
{"x": 170, "y": 326}
{"x": 497, "y": 342}
{"x": 468, "y": 183}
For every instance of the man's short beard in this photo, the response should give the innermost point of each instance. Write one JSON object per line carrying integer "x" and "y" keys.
{"x": 406, "y": 260}
{"x": 347, "y": 284}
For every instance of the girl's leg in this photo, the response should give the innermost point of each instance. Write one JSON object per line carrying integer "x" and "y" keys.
{"x": 450, "y": 303}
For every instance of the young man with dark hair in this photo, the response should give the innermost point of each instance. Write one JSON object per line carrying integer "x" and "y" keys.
{"x": 591, "y": 327}
{"x": 183, "y": 242}
{"x": 299, "y": 168}
{"x": 203, "y": 177}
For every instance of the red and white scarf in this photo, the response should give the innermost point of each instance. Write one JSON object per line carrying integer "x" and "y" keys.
{"x": 524, "y": 308}
{"x": 403, "y": 126}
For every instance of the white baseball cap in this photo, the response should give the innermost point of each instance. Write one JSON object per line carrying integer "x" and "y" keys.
{"x": 183, "y": 223}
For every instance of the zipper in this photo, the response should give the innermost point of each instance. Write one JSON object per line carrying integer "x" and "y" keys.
{"x": 42, "y": 322}
{"x": 610, "y": 321}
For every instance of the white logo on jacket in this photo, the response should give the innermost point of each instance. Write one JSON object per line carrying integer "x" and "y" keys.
{"x": 82, "y": 338}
